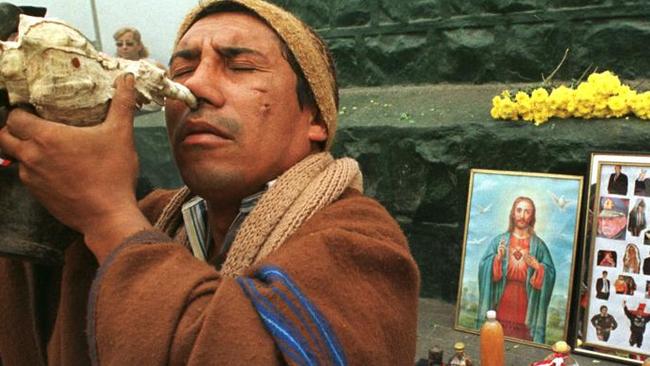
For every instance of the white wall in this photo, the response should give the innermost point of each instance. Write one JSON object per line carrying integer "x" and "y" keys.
{"x": 156, "y": 20}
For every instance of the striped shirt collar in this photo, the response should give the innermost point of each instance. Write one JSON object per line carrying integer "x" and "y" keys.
{"x": 195, "y": 219}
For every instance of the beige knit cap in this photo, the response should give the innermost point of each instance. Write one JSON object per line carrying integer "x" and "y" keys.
{"x": 309, "y": 50}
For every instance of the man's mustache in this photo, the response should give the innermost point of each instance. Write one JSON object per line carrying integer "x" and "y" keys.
{"x": 223, "y": 126}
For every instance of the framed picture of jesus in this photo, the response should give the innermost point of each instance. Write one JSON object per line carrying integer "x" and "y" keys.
{"x": 615, "y": 292}
{"x": 518, "y": 253}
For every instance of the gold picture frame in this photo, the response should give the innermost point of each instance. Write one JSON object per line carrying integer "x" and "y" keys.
{"x": 534, "y": 217}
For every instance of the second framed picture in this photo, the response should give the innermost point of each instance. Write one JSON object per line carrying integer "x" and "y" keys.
{"x": 616, "y": 277}
{"x": 518, "y": 253}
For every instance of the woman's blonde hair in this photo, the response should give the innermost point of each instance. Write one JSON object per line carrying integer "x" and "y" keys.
{"x": 144, "y": 52}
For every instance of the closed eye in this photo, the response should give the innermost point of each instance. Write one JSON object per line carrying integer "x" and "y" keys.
{"x": 181, "y": 72}
{"x": 240, "y": 67}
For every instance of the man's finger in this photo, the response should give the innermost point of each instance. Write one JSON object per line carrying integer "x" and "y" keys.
{"x": 123, "y": 104}
{"x": 23, "y": 125}
{"x": 9, "y": 144}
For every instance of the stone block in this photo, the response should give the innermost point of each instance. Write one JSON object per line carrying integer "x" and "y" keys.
{"x": 157, "y": 167}
{"x": 427, "y": 41}
{"x": 315, "y": 13}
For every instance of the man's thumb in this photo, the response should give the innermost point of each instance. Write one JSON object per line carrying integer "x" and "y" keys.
{"x": 123, "y": 104}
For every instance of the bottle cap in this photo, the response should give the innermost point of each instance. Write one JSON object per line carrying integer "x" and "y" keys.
{"x": 491, "y": 314}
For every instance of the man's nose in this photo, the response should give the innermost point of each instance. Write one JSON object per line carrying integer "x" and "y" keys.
{"x": 206, "y": 82}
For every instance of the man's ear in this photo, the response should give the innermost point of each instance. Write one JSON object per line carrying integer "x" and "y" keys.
{"x": 317, "y": 131}
{"x": 317, "y": 128}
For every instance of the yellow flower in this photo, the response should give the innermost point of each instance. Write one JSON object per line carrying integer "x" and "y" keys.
{"x": 604, "y": 83}
{"x": 618, "y": 105}
{"x": 509, "y": 110}
{"x": 585, "y": 99}
{"x": 541, "y": 115}
{"x": 602, "y": 95}
{"x": 562, "y": 113}
{"x": 640, "y": 105}
{"x": 539, "y": 96}
{"x": 522, "y": 97}
{"x": 559, "y": 100}
{"x": 494, "y": 112}
{"x": 496, "y": 101}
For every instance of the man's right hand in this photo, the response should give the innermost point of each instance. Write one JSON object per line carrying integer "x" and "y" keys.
{"x": 501, "y": 250}
{"x": 85, "y": 176}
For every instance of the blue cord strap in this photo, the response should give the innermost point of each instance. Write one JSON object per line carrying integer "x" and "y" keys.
{"x": 301, "y": 332}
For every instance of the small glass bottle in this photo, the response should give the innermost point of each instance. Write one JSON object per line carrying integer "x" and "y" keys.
{"x": 491, "y": 338}
{"x": 435, "y": 357}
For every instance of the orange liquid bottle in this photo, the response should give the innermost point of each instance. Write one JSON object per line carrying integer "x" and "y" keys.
{"x": 491, "y": 337}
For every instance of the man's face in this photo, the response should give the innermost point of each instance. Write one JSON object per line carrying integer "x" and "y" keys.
{"x": 610, "y": 227}
{"x": 604, "y": 274}
{"x": 248, "y": 127}
{"x": 603, "y": 311}
{"x": 523, "y": 214}
{"x": 127, "y": 47}
{"x": 617, "y": 169}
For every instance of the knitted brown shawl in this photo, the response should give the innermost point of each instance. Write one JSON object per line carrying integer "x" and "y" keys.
{"x": 301, "y": 191}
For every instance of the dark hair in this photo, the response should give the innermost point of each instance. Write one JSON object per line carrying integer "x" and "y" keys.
{"x": 303, "y": 91}
{"x": 603, "y": 307}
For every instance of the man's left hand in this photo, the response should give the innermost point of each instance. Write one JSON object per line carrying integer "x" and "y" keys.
{"x": 531, "y": 261}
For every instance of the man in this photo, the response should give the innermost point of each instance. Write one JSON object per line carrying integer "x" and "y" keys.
{"x": 602, "y": 287}
{"x": 637, "y": 221}
{"x": 617, "y": 182}
{"x": 604, "y": 324}
{"x": 638, "y": 320}
{"x": 517, "y": 276}
{"x": 612, "y": 219}
{"x": 646, "y": 266}
{"x": 642, "y": 184}
{"x": 301, "y": 268}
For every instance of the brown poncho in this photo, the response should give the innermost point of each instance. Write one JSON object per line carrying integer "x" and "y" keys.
{"x": 155, "y": 304}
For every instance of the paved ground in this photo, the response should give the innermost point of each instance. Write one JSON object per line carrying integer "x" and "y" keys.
{"x": 436, "y": 327}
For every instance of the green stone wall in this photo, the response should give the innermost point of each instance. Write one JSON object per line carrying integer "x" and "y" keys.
{"x": 381, "y": 42}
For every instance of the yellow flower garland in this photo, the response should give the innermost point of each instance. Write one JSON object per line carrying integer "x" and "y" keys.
{"x": 601, "y": 96}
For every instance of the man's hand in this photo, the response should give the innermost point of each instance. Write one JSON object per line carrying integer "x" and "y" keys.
{"x": 85, "y": 176}
{"x": 501, "y": 249}
{"x": 531, "y": 261}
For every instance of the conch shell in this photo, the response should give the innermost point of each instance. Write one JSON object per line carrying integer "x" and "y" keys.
{"x": 54, "y": 67}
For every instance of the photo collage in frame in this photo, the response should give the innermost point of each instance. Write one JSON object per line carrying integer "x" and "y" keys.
{"x": 615, "y": 303}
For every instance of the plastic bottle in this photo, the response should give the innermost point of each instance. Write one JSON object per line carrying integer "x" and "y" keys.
{"x": 492, "y": 346}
